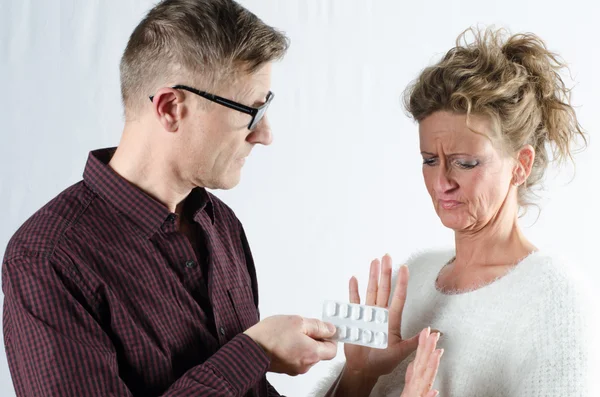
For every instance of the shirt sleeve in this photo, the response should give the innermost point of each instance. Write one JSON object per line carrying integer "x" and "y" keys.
{"x": 56, "y": 347}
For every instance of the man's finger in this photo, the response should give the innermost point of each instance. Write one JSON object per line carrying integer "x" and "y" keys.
{"x": 385, "y": 283}
{"x": 398, "y": 300}
{"x": 326, "y": 350}
{"x": 318, "y": 329}
{"x": 373, "y": 282}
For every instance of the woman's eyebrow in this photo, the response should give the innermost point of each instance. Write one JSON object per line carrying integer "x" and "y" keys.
{"x": 449, "y": 155}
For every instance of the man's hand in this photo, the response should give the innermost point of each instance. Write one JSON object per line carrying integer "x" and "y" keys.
{"x": 293, "y": 343}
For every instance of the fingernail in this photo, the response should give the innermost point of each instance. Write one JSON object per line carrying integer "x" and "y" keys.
{"x": 331, "y": 327}
{"x": 433, "y": 331}
{"x": 441, "y": 352}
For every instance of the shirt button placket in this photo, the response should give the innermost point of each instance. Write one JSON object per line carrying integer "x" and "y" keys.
{"x": 190, "y": 264}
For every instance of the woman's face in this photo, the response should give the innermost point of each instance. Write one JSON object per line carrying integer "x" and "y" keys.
{"x": 467, "y": 176}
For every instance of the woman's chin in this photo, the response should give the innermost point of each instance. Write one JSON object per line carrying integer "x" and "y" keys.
{"x": 453, "y": 221}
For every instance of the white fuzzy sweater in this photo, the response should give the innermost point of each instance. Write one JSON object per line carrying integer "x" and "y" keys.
{"x": 525, "y": 334}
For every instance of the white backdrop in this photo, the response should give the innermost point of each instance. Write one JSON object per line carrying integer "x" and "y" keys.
{"x": 342, "y": 182}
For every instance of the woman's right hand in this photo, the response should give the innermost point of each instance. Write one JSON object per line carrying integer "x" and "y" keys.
{"x": 422, "y": 371}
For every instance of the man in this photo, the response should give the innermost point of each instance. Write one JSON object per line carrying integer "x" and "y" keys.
{"x": 137, "y": 281}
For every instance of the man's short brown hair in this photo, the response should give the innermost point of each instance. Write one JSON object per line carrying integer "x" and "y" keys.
{"x": 203, "y": 40}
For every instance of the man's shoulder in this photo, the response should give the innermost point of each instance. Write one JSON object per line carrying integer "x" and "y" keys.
{"x": 41, "y": 233}
{"x": 221, "y": 210}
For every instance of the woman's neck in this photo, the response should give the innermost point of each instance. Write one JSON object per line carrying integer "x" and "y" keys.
{"x": 499, "y": 243}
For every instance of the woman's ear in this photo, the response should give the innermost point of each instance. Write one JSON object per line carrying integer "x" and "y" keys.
{"x": 525, "y": 158}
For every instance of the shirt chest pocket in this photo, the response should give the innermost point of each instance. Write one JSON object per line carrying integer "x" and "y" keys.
{"x": 242, "y": 301}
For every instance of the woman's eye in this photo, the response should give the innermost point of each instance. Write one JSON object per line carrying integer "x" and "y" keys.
{"x": 429, "y": 161}
{"x": 467, "y": 165}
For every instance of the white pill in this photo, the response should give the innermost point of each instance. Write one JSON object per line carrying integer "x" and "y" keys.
{"x": 358, "y": 324}
{"x": 356, "y": 311}
{"x": 368, "y": 315}
{"x": 331, "y": 309}
{"x": 381, "y": 316}
{"x": 343, "y": 310}
{"x": 380, "y": 338}
{"x": 367, "y": 336}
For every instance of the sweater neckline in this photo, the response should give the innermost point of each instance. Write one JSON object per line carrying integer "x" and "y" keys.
{"x": 485, "y": 287}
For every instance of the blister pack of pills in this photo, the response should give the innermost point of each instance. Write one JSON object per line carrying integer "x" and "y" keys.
{"x": 358, "y": 324}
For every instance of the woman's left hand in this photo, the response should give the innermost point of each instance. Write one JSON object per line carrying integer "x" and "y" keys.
{"x": 422, "y": 371}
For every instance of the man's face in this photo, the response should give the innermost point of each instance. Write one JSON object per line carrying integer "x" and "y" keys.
{"x": 214, "y": 140}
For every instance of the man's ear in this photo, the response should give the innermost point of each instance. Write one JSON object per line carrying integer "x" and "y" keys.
{"x": 525, "y": 158}
{"x": 168, "y": 108}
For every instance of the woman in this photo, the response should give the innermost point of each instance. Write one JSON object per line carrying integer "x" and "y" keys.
{"x": 512, "y": 318}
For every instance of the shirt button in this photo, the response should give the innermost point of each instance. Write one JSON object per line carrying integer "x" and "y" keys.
{"x": 190, "y": 264}
{"x": 222, "y": 331}
{"x": 171, "y": 218}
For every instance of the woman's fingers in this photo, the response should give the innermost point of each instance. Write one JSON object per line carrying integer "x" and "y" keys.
{"x": 409, "y": 372}
{"x": 424, "y": 368}
{"x": 372, "y": 287}
{"x": 385, "y": 283}
{"x": 353, "y": 291}
{"x": 432, "y": 367}
{"x": 398, "y": 300}
{"x": 422, "y": 351}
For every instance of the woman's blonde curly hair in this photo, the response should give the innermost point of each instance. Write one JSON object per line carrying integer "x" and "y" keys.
{"x": 512, "y": 79}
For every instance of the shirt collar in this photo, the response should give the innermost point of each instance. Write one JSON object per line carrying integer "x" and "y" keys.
{"x": 146, "y": 213}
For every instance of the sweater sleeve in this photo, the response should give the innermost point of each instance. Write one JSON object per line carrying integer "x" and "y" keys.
{"x": 557, "y": 359}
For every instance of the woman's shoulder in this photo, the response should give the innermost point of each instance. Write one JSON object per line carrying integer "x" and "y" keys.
{"x": 425, "y": 261}
{"x": 552, "y": 271}
{"x": 424, "y": 265}
{"x": 561, "y": 307}
{"x": 557, "y": 286}
{"x": 430, "y": 257}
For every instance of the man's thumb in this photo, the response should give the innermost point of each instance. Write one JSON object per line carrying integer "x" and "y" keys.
{"x": 318, "y": 329}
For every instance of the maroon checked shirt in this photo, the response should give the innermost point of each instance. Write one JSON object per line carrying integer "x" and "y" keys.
{"x": 105, "y": 297}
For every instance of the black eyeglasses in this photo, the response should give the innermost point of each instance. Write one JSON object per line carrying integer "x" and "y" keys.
{"x": 256, "y": 113}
